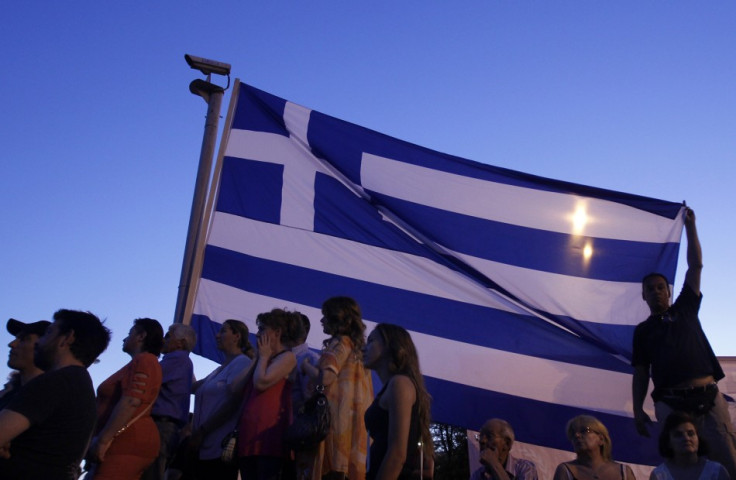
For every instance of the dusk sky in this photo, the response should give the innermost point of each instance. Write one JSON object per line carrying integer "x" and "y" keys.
{"x": 102, "y": 137}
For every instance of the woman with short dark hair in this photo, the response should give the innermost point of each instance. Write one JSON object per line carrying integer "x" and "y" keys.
{"x": 684, "y": 452}
{"x": 127, "y": 441}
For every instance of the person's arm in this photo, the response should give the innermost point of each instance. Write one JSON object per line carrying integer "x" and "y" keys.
{"x": 12, "y": 424}
{"x": 328, "y": 376}
{"x": 489, "y": 459}
{"x": 196, "y": 384}
{"x": 121, "y": 414}
{"x": 478, "y": 474}
{"x": 629, "y": 473}
{"x": 313, "y": 371}
{"x": 428, "y": 467}
{"x": 268, "y": 373}
{"x": 526, "y": 471}
{"x": 331, "y": 361}
{"x": 639, "y": 387}
{"x": 238, "y": 383}
{"x": 140, "y": 386}
{"x": 694, "y": 253}
{"x": 401, "y": 395}
{"x": 723, "y": 474}
{"x": 309, "y": 369}
{"x": 229, "y": 407}
{"x": 217, "y": 418}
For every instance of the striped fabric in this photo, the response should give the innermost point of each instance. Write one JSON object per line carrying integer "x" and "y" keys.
{"x": 520, "y": 292}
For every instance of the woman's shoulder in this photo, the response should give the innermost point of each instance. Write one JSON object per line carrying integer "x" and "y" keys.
{"x": 399, "y": 387}
{"x": 338, "y": 344}
{"x": 626, "y": 470}
{"x": 341, "y": 340}
{"x": 660, "y": 472}
{"x": 236, "y": 365}
{"x": 284, "y": 357}
{"x": 401, "y": 384}
{"x": 145, "y": 357}
{"x": 145, "y": 360}
{"x": 713, "y": 471}
{"x": 563, "y": 471}
{"x": 240, "y": 362}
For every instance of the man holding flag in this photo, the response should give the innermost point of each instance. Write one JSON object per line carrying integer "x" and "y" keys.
{"x": 671, "y": 348}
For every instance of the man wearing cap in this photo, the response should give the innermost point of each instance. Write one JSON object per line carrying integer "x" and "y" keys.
{"x": 20, "y": 357}
{"x": 45, "y": 429}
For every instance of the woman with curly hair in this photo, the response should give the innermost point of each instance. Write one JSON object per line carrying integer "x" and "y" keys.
{"x": 348, "y": 388}
{"x": 266, "y": 408}
{"x": 398, "y": 418}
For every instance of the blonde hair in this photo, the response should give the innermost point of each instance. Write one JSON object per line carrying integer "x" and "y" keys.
{"x": 581, "y": 421}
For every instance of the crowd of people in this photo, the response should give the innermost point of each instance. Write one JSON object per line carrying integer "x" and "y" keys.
{"x": 138, "y": 423}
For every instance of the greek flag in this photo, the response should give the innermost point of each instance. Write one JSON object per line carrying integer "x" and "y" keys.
{"x": 520, "y": 292}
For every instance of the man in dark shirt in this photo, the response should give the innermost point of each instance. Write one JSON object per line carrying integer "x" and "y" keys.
{"x": 671, "y": 348}
{"x": 45, "y": 429}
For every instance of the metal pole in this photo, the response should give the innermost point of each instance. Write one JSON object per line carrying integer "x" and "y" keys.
{"x": 213, "y": 96}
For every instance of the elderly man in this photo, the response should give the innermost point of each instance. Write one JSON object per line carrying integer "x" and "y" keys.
{"x": 20, "y": 357}
{"x": 45, "y": 429}
{"x": 496, "y": 438}
{"x": 171, "y": 410}
{"x": 671, "y": 347}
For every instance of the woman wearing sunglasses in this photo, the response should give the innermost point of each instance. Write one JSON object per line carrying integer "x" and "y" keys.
{"x": 592, "y": 445}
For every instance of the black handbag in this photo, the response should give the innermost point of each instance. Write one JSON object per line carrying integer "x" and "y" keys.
{"x": 311, "y": 424}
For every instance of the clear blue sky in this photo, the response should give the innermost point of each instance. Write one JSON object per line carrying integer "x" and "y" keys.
{"x": 101, "y": 136}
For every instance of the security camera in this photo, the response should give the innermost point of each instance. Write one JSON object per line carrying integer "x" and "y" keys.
{"x": 207, "y": 66}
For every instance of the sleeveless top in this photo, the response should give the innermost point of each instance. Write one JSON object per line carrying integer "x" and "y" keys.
{"x": 570, "y": 476}
{"x": 376, "y": 422}
{"x": 264, "y": 418}
{"x": 711, "y": 471}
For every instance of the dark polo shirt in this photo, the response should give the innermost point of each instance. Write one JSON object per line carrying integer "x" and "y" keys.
{"x": 673, "y": 346}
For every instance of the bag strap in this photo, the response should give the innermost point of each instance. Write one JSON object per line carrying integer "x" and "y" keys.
{"x": 131, "y": 422}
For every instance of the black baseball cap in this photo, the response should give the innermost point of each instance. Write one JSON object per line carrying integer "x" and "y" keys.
{"x": 16, "y": 327}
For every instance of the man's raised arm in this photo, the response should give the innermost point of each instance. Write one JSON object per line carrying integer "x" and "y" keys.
{"x": 694, "y": 252}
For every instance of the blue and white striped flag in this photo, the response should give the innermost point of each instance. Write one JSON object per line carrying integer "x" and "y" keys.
{"x": 520, "y": 292}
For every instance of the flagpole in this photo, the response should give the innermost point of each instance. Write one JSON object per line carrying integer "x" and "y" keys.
{"x": 212, "y": 94}
{"x": 207, "y": 215}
